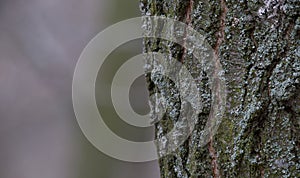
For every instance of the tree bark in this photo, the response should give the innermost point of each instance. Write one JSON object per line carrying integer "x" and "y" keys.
{"x": 257, "y": 43}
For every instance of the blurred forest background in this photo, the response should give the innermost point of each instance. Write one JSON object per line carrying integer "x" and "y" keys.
{"x": 40, "y": 42}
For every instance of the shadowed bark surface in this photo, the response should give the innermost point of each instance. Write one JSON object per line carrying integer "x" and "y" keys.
{"x": 257, "y": 43}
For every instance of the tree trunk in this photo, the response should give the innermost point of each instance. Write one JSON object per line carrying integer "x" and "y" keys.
{"x": 257, "y": 44}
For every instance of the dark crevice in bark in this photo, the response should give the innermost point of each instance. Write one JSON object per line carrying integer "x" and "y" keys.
{"x": 188, "y": 20}
{"x": 184, "y": 157}
{"x": 295, "y": 130}
{"x": 220, "y": 38}
{"x": 245, "y": 86}
{"x": 276, "y": 61}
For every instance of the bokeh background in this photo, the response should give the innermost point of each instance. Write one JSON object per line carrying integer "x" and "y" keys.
{"x": 40, "y": 43}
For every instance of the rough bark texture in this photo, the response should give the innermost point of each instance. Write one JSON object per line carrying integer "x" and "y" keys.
{"x": 257, "y": 43}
